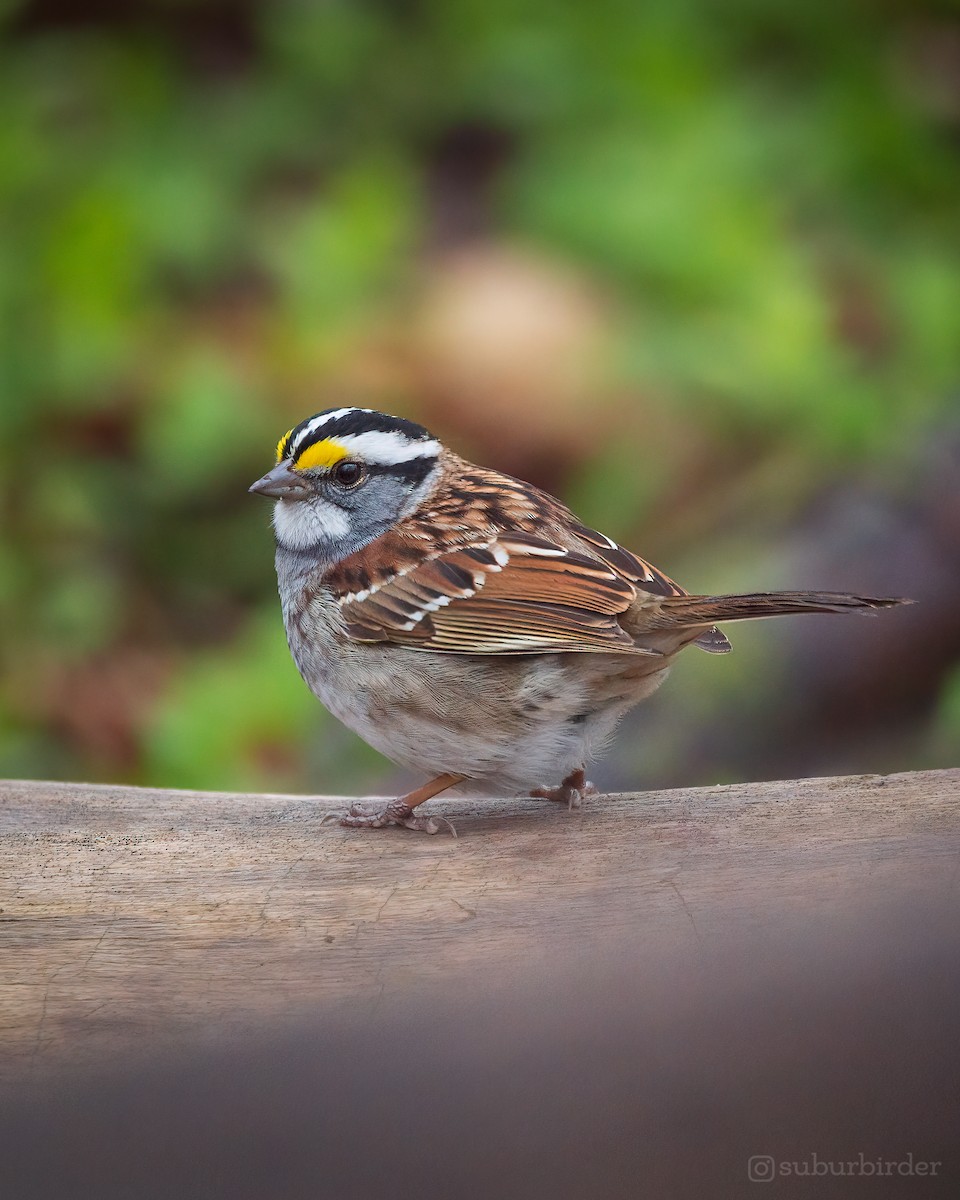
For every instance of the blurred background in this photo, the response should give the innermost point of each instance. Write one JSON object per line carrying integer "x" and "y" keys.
{"x": 693, "y": 267}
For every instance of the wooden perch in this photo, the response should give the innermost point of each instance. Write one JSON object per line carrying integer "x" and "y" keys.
{"x": 131, "y": 916}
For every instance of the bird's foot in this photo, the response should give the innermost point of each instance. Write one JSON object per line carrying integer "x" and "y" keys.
{"x": 401, "y": 810}
{"x": 571, "y": 792}
{"x": 365, "y": 816}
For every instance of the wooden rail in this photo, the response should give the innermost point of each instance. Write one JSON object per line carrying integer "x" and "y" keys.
{"x": 132, "y": 916}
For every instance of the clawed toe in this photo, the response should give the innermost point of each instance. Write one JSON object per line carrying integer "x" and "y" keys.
{"x": 362, "y": 816}
{"x": 571, "y": 792}
{"x": 365, "y": 816}
{"x": 359, "y": 816}
{"x": 432, "y": 824}
{"x": 570, "y": 796}
{"x": 358, "y": 811}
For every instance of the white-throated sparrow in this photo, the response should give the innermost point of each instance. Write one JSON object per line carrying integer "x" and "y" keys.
{"x": 465, "y": 623}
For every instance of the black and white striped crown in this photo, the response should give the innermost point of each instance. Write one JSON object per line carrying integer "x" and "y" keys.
{"x": 372, "y": 437}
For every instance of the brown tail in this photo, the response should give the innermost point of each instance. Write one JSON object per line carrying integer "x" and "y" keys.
{"x": 681, "y": 611}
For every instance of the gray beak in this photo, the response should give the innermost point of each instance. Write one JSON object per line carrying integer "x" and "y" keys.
{"x": 283, "y": 483}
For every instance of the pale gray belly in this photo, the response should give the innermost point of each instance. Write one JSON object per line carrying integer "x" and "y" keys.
{"x": 508, "y": 722}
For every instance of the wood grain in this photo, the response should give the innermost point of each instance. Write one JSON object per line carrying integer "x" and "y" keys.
{"x": 133, "y": 916}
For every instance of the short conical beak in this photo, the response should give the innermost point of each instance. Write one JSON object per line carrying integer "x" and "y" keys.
{"x": 283, "y": 483}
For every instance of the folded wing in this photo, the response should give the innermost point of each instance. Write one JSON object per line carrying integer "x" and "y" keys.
{"x": 516, "y": 594}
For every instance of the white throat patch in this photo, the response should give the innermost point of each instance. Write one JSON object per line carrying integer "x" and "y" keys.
{"x": 301, "y": 524}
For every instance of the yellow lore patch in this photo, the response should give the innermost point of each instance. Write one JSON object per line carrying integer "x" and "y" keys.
{"x": 281, "y": 445}
{"x": 321, "y": 454}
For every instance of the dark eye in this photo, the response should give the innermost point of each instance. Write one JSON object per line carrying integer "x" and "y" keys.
{"x": 347, "y": 473}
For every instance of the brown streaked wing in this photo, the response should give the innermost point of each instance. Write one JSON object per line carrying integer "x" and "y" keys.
{"x": 518, "y": 594}
{"x": 631, "y": 566}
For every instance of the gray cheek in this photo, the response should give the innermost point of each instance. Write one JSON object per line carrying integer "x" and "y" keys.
{"x": 374, "y": 506}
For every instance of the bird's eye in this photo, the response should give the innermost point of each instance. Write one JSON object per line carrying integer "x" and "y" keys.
{"x": 348, "y": 473}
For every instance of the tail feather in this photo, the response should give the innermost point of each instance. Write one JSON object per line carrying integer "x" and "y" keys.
{"x": 683, "y": 611}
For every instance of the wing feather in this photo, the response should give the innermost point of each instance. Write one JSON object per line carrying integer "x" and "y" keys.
{"x": 532, "y": 579}
{"x": 514, "y": 595}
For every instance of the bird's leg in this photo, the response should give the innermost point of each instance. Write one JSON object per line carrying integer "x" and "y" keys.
{"x": 571, "y": 792}
{"x": 400, "y": 811}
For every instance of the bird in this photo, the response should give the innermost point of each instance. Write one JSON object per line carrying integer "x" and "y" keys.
{"x": 467, "y": 624}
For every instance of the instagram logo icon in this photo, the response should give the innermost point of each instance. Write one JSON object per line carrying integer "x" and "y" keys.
{"x": 761, "y": 1168}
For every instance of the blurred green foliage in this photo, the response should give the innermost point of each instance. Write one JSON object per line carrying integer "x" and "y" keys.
{"x": 219, "y": 217}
